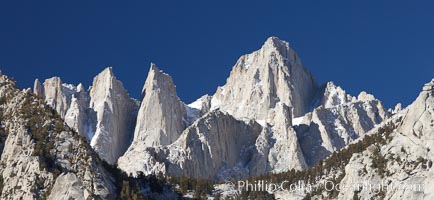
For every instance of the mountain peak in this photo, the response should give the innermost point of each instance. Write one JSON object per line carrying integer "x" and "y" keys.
{"x": 160, "y": 117}
{"x": 267, "y": 76}
{"x": 429, "y": 86}
{"x": 155, "y": 78}
{"x": 276, "y": 43}
{"x": 38, "y": 88}
{"x": 153, "y": 67}
{"x": 107, "y": 72}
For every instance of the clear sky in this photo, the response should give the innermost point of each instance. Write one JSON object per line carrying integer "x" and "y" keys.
{"x": 383, "y": 47}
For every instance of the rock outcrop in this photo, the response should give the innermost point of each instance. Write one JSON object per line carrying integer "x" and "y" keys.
{"x": 269, "y": 117}
{"x": 79, "y": 116}
{"x": 38, "y": 89}
{"x": 269, "y": 86}
{"x": 116, "y": 114}
{"x": 216, "y": 142}
{"x": 161, "y": 116}
{"x": 105, "y": 114}
{"x": 40, "y": 152}
{"x": 338, "y": 120}
{"x": 277, "y": 148}
{"x": 407, "y": 172}
{"x": 56, "y": 94}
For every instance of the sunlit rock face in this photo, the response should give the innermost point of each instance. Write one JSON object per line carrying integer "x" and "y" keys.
{"x": 105, "y": 114}
{"x": 260, "y": 80}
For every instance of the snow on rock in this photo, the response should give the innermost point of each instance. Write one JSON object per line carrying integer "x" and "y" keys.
{"x": 338, "y": 120}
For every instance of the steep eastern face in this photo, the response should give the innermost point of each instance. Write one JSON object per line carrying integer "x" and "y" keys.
{"x": 105, "y": 115}
{"x": 160, "y": 119}
{"x": 216, "y": 142}
{"x": 260, "y": 80}
{"x": 115, "y": 112}
{"x": 269, "y": 86}
{"x": 269, "y": 117}
{"x": 263, "y": 86}
{"x": 277, "y": 148}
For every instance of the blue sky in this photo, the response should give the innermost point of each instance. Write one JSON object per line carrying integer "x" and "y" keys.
{"x": 383, "y": 47}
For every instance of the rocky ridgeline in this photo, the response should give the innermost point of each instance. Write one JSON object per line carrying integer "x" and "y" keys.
{"x": 270, "y": 87}
{"x": 104, "y": 114}
{"x": 270, "y": 116}
{"x": 41, "y": 157}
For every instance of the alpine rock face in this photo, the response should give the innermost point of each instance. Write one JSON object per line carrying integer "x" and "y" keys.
{"x": 41, "y": 158}
{"x": 271, "y": 116}
{"x": 338, "y": 120}
{"x": 115, "y": 116}
{"x": 269, "y": 86}
{"x": 105, "y": 114}
{"x": 160, "y": 119}
{"x": 402, "y": 167}
{"x": 260, "y": 80}
{"x": 216, "y": 142}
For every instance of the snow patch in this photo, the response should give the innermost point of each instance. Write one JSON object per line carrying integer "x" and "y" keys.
{"x": 297, "y": 121}
{"x": 196, "y": 104}
{"x": 261, "y": 122}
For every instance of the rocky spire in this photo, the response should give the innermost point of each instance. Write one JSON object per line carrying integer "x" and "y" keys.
{"x": 420, "y": 115}
{"x": 260, "y": 80}
{"x": 40, "y": 161}
{"x": 38, "y": 89}
{"x": 215, "y": 146}
{"x": 160, "y": 117}
{"x": 277, "y": 147}
{"x": 56, "y": 95}
{"x": 77, "y": 116}
{"x": 334, "y": 95}
{"x": 115, "y": 116}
